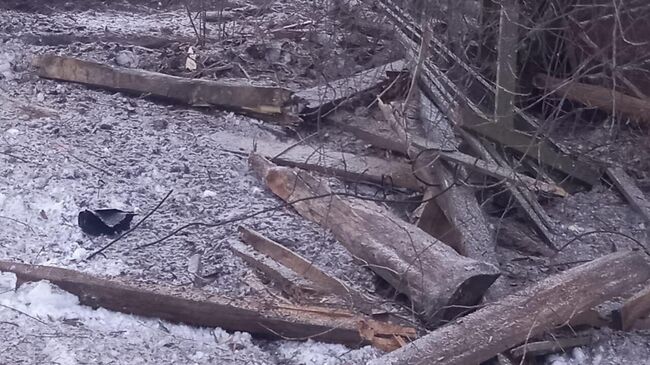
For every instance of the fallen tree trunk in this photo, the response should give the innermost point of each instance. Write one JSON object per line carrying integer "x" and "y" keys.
{"x": 197, "y": 308}
{"x": 596, "y": 96}
{"x": 430, "y": 273}
{"x": 271, "y": 103}
{"x": 499, "y": 326}
{"x": 634, "y": 308}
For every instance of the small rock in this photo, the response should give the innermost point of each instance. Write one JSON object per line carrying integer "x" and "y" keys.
{"x": 209, "y": 194}
{"x": 40, "y": 97}
{"x": 105, "y": 126}
{"x": 126, "y": 59}
{"x": 159, "y": 124}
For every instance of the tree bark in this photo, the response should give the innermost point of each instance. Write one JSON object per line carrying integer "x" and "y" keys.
{"x": 430, "y": 273}
{"x": 491, "y": 330}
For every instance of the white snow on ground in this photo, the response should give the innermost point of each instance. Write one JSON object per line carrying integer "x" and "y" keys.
{"x": 68, "y": 333}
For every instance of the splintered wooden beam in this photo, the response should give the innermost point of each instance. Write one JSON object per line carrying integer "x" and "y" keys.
{"x": 198, "y": 308}
{"x": 529, "y": 313}
{"x": 271, "y": 103}
{"x": 596, "y": 96}
{"x": 322, "y": 98}
{"x": 346, "y": 166}
{"x": 430, "y": 273}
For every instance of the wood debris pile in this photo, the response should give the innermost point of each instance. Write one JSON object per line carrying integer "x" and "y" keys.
{"x": 441, "y": 263}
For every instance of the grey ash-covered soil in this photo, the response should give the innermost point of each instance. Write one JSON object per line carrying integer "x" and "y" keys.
{"x": 95, "y": 149}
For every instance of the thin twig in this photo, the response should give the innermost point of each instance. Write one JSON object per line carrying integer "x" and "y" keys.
{"x": 130, "y": 230}
{"x": 280, "y": 206}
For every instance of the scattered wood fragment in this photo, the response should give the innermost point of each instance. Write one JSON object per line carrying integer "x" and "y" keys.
{"x": 323, "y": 98}
{"x": 541, "y": 348}
{"x": 323, "y": 282}
{"x": 429, "y": 272}
{"x": 596, "y": 96}
{"x": 270, "y": 103}
{"x": 626, "y": 185}
{"x": 499, "y": 326}
{"x": 198, "y": 308}
{"x": 346, "y": 166}
{"x": 288, "y": 281}
{"x": 634, "y": 308}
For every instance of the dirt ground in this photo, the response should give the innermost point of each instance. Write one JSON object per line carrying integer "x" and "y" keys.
{"x": 91, "y": 148}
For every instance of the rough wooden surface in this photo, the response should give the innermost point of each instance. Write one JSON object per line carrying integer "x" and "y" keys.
{"x": 634, "y": 308}
{"x": 596, "y": 96}
{"x": 321, "y": 98}
{"x": 194, "y": 307}
{"x": 265, "y": 102}
{"x": 346, "y": 166}
{"x": 497, "y": 327}
{"x": 287, "y": 280}
{"x": 429, "y": 272}
{"x": 626, "y": 185}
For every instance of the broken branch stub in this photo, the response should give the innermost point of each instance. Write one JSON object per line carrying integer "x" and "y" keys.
{"x": 430, "y": 273}
{"x": 552, "y": 302}
{"x": 270, "y": 103}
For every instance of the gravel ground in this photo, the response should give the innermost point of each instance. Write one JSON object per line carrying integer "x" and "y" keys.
{"x": 98, "y": 149}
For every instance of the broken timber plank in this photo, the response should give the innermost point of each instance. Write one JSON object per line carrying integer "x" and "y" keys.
{"x": 272, "y": 103}
{"x": 346, "y": 166}
{"x": 541, "y": 348}
{"x": 288, "y": 281}
{"x": 198, "y": 308}
{"x": 322, "y": 98}
{"x": 499, "y": 326}
{"x": 630, "y": 191}
{"x": 429, "y": 272}
{"x": 634, "y": 308}
{"x": 323, "y": 282}
{"x": 596, "y": 96}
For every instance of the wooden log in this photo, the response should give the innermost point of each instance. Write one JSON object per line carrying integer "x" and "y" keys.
{"x": 596, "y": 96}
{"x": 634, "y": 308}
{"x": 287, "y": 280}
{"x": 497, "y": 327}
{"x": 322, "y": 98}
{"x": 541, "y": 348}
{"x": 271, "y": 103}
{"x": 197, "y": 308}
{"x": 429, "y": 272}
{"x": 346, "y": 166}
